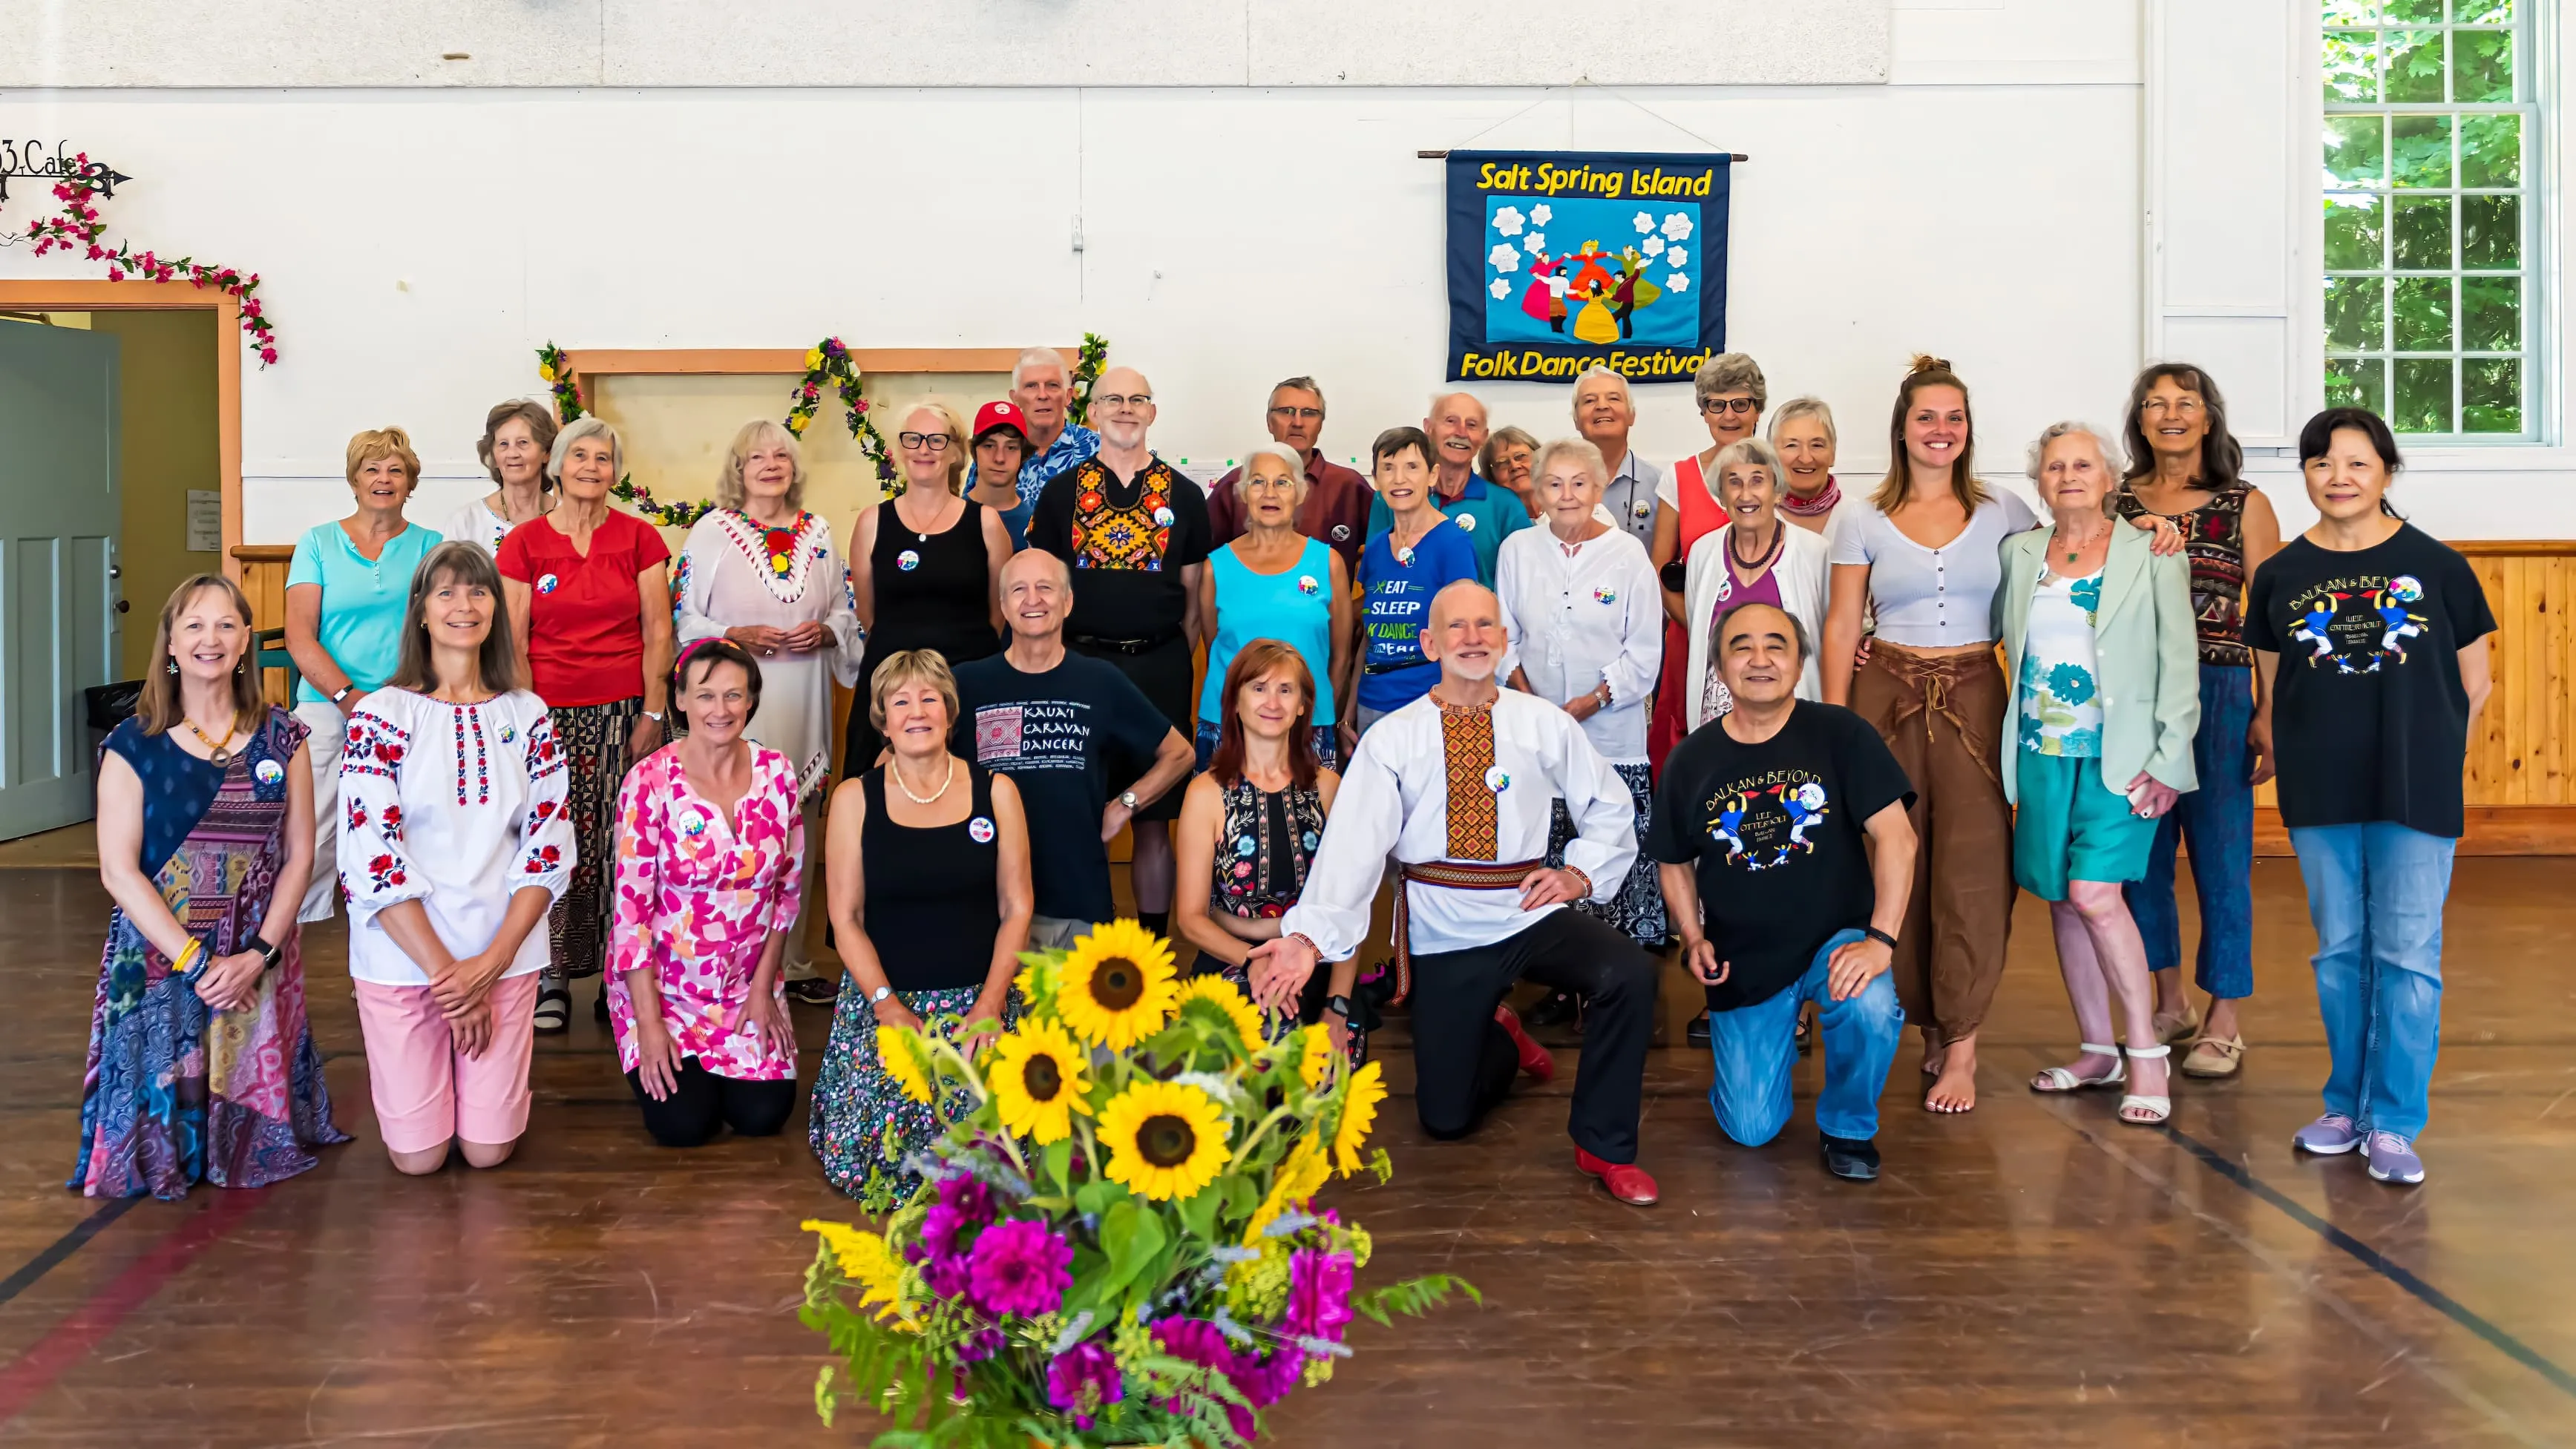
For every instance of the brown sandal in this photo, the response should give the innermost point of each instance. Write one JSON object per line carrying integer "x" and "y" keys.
{"x": 2215, "y": 1056}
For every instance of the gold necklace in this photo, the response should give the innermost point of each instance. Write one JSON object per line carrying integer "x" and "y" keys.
{"x": 932, "y": 798}
{"x": 218, "y": 753}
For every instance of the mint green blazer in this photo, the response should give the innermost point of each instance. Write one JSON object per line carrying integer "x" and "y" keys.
{"x": 2148, "y": 657}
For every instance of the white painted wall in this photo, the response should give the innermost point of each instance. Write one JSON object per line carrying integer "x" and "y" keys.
{"x": 417, "y": 243}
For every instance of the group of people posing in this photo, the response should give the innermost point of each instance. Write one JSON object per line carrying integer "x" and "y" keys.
{"x": 1579, "y": 707}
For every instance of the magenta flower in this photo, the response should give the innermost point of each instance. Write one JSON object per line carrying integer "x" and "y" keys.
{"x": 1083, "y": 1380}
{"x": 1019, "y": 1267}
{"x": 1319, "y": 1294}
{"x": 1193, "y": 1341}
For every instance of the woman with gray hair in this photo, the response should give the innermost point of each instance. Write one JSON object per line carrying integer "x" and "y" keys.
{"x": 764, "y": 574}
{"x": 590, "y": 604}
{"x": 2102, "y": 653}
{"x": 1756, "y": 557}
{"x": 517, "y": 436}
{"x": 1273, "y": 582}
{"x": 1509, "y": 461}
{"x": 1730, "y": 394}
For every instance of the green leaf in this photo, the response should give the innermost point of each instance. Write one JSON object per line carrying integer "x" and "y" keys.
{"x": 1198, "y": 1214}
{"x": 1058, "y": 1159}
{"x": 1413, "y": 1297}
{"x": 2414, "y": 65}
{"x": 2423, "y": 396}
{"x": 1131, "y": 1235}
{"x": 1097, "y": 1195}
{"x": 2356, "y": 151}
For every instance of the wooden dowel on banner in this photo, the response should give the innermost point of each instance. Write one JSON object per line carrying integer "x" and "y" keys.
{"x": 1443, "y": 156}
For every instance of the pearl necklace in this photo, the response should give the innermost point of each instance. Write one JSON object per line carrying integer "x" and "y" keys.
{"x": 932, "y": 798}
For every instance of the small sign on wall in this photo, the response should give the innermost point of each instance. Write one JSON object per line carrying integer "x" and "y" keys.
{"x": 205, "y": 521}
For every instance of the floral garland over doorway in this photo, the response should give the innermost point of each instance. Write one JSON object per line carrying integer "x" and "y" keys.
{"x": 78, "y": 227}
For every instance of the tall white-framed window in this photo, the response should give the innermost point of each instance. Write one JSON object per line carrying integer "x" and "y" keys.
{"x": 2433, "y": 235}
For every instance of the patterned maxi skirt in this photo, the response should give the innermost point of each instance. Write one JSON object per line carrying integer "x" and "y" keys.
{"x": 1637, "y": 912}
{"x": 861, "y": 1124}
{"x": 594, "y": 738}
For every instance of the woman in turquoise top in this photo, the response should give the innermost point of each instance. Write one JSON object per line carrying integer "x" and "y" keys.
{"x": 345, "y": 596}
{"x": 2100, "y": 645}
{"x": 1274, "y": 583}
{"x": 1420, "y": 554}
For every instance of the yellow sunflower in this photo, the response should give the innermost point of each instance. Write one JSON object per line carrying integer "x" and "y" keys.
{"x": 1165, "y": 1140}
{"x": 899, "y": 1052}
{"x": 1037, "y": 1080}
{"x": 1115, "y": 989}
{"x": 1359, "y": 1113}
{"x": 866, "y": 1260}
{"x": 1301, "y": 1175}
{"x": 1221, "y": 993}
{"x": 1316, "y": 1066}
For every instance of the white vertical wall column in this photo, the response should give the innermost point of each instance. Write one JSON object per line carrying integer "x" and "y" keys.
{"x": 2230, "y": 255}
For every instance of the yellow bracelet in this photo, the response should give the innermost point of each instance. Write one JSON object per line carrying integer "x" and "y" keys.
{"x": 188, "y": 955}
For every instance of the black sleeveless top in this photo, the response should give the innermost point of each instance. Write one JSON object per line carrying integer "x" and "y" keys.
{"x": 933, "y": 591}
{"x": 933, "y": 902}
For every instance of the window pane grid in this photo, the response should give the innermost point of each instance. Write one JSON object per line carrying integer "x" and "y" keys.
{"x": 2430, "y": 123}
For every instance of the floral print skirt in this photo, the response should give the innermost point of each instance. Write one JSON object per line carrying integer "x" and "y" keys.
{"x": 593, "y": 737}
{"x": 1637, "y": 912}
{"x": 861, "y": 1124}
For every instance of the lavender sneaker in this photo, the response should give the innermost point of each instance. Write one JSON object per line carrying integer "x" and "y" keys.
{"x": 2392, "y": 1159}
{"x": 2327, "y": 1136}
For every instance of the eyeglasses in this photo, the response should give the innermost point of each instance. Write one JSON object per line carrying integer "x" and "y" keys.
{"x": 2180, "y": 407}
{"x": 1309, "y": 415}
{"x": 934, "y": 442}
{"x": 1715, "y": 405}
{"x": 1121, "y": 402}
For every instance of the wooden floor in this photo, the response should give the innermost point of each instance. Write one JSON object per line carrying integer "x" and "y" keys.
{"x": 2034, "y": 1273}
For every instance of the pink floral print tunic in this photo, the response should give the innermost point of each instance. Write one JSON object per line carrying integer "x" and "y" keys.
{"x": 696, "y": 900}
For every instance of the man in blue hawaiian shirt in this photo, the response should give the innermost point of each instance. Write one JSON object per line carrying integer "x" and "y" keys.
{"x": 1043, "y": 387}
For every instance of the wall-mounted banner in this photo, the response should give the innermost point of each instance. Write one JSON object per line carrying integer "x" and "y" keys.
{"x": 1560, "y": 260}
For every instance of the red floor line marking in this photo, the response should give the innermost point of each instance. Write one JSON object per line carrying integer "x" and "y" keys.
{"x": 71, "y": 1340}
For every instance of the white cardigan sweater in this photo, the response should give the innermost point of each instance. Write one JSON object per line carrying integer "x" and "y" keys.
{"x": 1803, "y": 577}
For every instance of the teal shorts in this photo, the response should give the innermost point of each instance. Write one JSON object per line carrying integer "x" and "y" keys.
{"x": 2073, "y": 827}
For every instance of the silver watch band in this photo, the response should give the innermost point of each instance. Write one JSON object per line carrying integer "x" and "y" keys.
{"x": 880, "y": 994}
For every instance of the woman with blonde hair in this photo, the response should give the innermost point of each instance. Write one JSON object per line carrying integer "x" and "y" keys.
{"x": 344, "y": 610}
{"x": 590, "y": 600}
{"x": 517, "y": 436}
{"x": 201, "y": 1063}
{"x": 922, "y": 565}
{"x": 764, "y": 575}
{"x": 927, "y": 863}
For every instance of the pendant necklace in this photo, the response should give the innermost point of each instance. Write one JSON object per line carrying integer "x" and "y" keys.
{"x": 219, "y": 753}
{"x": 932, "y": 798}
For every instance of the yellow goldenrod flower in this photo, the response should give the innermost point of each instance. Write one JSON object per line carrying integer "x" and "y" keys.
{"x": 1165, "y": 1140}
{"x": 866, "y": 1260}
{"x": 1302, "y": 1173}
{"x": 1115, "y": 988}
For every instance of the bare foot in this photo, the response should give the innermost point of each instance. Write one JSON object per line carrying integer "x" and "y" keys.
{"x": 1955, "y": 1090}
{"x": 1931, "y": 1052}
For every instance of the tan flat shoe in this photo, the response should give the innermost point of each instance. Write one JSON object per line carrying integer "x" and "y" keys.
{"x": 2171, "y": 1029}
{"x": 2215, "y": 1056}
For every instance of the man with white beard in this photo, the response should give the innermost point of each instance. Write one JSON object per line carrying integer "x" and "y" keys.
{"x": 1457, "y": 785}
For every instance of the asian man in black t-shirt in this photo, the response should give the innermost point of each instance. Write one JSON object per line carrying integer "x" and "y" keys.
{"x": 1759, "y": 824}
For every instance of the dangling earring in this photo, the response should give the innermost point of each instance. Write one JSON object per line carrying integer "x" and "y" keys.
{"x": 169, "y": 666}
{"x": 239, "y": 665}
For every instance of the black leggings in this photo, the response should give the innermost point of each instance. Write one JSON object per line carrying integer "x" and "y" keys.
{"x": 703, "y": 1102}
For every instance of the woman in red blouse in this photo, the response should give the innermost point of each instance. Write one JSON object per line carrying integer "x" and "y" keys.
{"x": 590, "y": 598}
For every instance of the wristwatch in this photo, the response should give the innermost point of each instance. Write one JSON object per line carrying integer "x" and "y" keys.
{"x": 269, "y": 951}
{"x": 343, "y": 692}
{"x": 880, "y": 994}
{"x": 654, "y": 715}
{"x": 1339, "y": 1006}
{"x": 1127, "y": 798}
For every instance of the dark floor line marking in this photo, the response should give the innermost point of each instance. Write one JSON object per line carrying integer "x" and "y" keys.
{"x": 71, "y": 1340}
{"x": 2378, "y": 1262}
{"x": 63, "y": 1247}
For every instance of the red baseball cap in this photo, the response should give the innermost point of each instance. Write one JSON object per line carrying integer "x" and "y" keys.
{"x": 1003, "y": 414}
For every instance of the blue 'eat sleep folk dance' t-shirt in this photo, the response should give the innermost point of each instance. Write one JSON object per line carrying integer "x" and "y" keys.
{"x": 1395, "y": 608}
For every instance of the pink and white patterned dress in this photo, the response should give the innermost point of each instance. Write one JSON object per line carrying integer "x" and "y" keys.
{"x": 696, "y": 901}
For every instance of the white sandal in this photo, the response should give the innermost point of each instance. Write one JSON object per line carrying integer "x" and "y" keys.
{"x": 2063, "y": 1079}
{"x": 2149, "y": 1111}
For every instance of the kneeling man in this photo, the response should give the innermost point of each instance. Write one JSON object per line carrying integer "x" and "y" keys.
{"x": 1758, "y": 827}
{"x": 1458, "y": 786}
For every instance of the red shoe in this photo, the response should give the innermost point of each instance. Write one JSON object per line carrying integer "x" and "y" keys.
{"x": 1627, "y": 1181}
{"x": 1534, "y": 1058}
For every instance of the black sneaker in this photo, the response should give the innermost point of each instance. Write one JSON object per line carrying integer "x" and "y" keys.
{"x": 1853, "y": 1159}
{"x": 1698, "y": 1033}
{"x": 815, "y": 990}
{"x": 1554, "y": 1009}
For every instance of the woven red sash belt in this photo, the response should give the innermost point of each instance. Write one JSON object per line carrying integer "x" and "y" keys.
{"x": 1456, "y": 875}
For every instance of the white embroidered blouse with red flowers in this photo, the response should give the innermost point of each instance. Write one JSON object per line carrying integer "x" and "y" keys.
{"x": 457, "y": 806}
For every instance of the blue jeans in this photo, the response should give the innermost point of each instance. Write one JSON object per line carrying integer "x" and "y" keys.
{"x": 1756, "y": 1045}
{"x": 2218, "y": 821}
{"x": 2375, "y": 894}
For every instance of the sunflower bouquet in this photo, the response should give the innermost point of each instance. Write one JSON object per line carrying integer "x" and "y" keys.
{"x": 1114, "y": 1242}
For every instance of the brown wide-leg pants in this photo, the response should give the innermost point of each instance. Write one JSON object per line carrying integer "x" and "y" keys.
{"x": 1942, "y": 716}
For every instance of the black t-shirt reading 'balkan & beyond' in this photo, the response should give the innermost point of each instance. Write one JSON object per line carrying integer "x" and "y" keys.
{"x": 1775, "y": 832}
{"x": 1054, "y": 735}
{"x": 2369, "y": 719}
